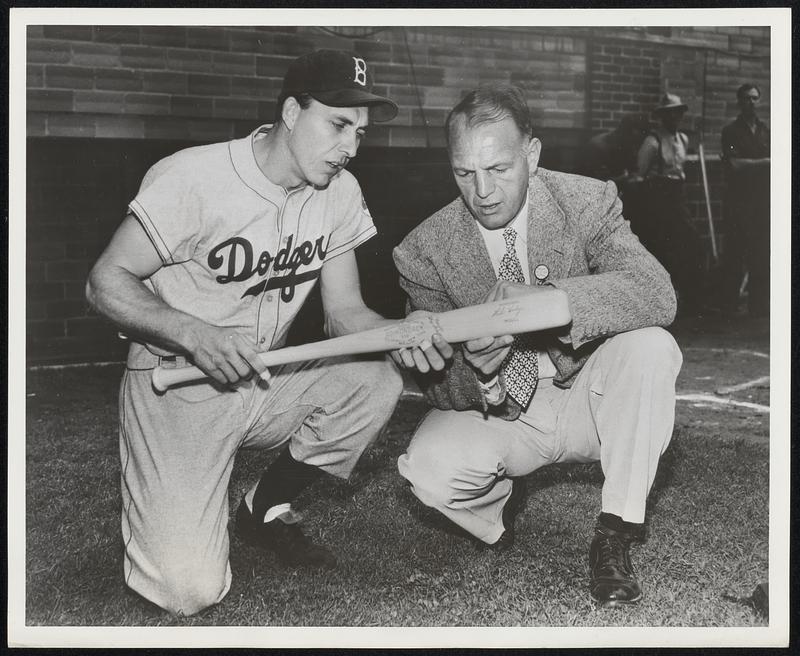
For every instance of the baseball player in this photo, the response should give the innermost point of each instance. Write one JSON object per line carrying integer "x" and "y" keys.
{"x": 220, "y": 248}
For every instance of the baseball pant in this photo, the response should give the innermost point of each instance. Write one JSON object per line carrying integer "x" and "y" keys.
{"x": 620, "y": 410}
{"x": 177, "y": 452}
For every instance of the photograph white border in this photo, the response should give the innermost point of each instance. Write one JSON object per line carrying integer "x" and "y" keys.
{"x": 776, "y": 634}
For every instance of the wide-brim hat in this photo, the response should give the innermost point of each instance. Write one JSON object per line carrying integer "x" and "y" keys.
{"x": 338, "y": 79}
{"x": 670, "y": 101}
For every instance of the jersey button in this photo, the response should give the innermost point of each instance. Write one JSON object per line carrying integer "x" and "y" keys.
{"x": 262, "y": 340}
{"x": 269, "y": 298}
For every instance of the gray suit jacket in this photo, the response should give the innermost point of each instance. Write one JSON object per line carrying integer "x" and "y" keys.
{"x": 576, "y": 229}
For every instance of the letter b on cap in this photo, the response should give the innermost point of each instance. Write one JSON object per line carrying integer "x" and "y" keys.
{"x": 361, "y": 71}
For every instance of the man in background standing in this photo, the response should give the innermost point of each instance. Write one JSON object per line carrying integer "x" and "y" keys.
{"x": 666, "y": 226}
{"x": 746, "y": 157}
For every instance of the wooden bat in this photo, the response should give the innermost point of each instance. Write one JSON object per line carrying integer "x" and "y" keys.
{"x": 547, "y": 308}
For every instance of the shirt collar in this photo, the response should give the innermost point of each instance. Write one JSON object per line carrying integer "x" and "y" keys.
{"x": 519, "y": 223}
{"x": 244, "y": 161}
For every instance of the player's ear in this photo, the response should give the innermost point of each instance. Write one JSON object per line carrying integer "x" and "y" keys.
{"x": 289, "y": 111}
{"x": 532, "y": 151}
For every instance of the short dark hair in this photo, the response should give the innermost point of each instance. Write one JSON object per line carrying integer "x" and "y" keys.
{"x": 303, "y": 99}
{"x": 490, "y": 103}
{"x": 745, "y": 88}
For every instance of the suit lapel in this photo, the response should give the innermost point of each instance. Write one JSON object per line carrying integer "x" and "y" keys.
{"x": 549, "y": 242}
{"x": 468, "y": 268}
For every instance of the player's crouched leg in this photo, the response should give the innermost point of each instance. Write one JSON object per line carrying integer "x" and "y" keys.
{"x": 177, "y": 560}
{"x": 176, "y": 455}
{"x": 354, "y": 401}
{"x": 189, "y": 588}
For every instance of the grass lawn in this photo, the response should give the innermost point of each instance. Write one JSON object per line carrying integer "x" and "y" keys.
{"x": 402, "y": 564}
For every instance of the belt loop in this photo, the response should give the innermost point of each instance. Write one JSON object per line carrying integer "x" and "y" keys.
{"x": 172, "y": 361}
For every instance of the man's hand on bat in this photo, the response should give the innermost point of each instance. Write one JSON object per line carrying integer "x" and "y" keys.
{"x": 224, "y": 355}
{"x": 486, "y": 354}
{"x": 429, "y": 355}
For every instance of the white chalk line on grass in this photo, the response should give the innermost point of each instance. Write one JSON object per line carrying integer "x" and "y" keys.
{"x": 692, "y": 398}
{"x": 761, "y": 381}
{"x": 710, "y": 349}
{"x": 83, "y": 365}
{"x": 74, "y": 365}
{"x": 707, "y": 398}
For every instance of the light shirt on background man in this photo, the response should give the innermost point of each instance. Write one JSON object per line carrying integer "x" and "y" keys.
{"x": 673, "y": 154}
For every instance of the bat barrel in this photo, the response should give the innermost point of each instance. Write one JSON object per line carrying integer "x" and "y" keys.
{"x": 542, "y": 310}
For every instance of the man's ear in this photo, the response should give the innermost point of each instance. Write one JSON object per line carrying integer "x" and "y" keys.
{"x": 289, "y": 111}
{"x": 534, "y": 149}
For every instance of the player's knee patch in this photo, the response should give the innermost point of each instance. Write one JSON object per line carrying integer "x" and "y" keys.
{"x": 190, "y": 595}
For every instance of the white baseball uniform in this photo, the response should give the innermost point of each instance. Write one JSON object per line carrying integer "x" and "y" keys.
{"x": 240, "y": 252}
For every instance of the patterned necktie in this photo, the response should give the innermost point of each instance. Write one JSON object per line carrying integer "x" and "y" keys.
{"x": 521, "y": 366}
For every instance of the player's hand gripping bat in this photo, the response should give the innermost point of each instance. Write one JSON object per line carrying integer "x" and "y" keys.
{"x": 547, "y": 308}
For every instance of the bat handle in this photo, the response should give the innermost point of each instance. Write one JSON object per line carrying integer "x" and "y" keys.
{"x": 164, "y": 378}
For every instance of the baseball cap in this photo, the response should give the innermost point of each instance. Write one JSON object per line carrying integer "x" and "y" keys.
{"x": 337, "y": 79}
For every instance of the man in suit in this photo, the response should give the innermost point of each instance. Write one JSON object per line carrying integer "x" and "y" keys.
{"x": 602, "y": 388}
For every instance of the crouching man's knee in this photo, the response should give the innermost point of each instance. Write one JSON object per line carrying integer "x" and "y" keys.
{"x": 649, "y": 348}
{"x": 443, "y": 476}
{"x": 429, "y": 484}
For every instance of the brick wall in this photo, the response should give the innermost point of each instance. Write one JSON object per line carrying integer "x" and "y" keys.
{"x": 704, "y": 66}
{"x": 629, "y": 69}
{"x": 105, "y": 102}
{"x": 214, "y": 83}
{"x": 204, "y": 83}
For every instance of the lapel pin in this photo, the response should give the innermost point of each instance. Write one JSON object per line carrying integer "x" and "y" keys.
{"x": 540, "y": 273}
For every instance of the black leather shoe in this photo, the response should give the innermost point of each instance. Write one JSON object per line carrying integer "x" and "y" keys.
{"x": 510, "y": 511}
{"x": 283, "y": 537}
{"x": 613, "y": 580}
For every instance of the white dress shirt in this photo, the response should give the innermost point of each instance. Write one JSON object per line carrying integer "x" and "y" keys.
{"x": 496, "y": 243}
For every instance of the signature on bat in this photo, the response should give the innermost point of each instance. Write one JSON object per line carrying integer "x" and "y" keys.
{"x": 412, "y": 332}
{"x": 508, "y": 312}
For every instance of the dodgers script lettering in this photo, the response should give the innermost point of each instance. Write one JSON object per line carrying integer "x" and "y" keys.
{"x": 236, "y": 257}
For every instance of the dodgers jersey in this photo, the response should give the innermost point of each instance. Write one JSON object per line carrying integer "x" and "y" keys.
{"x": 238, "y": 250}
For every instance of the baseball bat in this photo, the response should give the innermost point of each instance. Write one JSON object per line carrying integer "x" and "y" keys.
{"x": 547, "y": 308}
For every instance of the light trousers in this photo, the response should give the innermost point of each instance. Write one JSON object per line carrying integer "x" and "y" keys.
{"x": 620, "y": 410}
{"x": 177, "y": 452}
